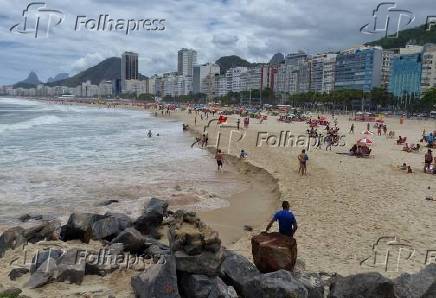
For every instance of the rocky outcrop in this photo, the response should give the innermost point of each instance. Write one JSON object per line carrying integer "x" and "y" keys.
{"x": 274, "y": 285}
{"x": 152, "y": 217}
{"x": 273, "y": 252}
{"x": 66, "y": 267}
{"x": 79, "y": 226}
{"x": 110, "y": 226}
{"x": 131, "y": 239}
{"x": 202, "y": 286}
{"x": 237, "y": 271}
{"x": 196, "y": 246}
{"x": 11, "y": 239}
{"x": 160, "y": 280}
{"x": 312, "y": 282}
{"x": 415, "y": 285}
{"x": 48, "y": 230}
{"x": 362, "y": 285}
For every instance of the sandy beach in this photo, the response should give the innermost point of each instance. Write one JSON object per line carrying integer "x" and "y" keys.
{"x": 345, "y": 204}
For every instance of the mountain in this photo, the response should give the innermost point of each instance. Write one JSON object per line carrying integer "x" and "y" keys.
{"x": 277, "y": 59}
{"x": 228, "y": 62}
{"x": 107, "y": 70}
{"x": 31, "y": 81}
{"x": 58, "y": 77}
{"x": 417, "y": 36}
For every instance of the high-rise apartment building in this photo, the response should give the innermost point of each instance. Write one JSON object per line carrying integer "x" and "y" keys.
{"x": 129, "y": 68}
{"x": 428, "y": 79}
{"x": 359, "y": 69}
{"x": 186, "y": 59}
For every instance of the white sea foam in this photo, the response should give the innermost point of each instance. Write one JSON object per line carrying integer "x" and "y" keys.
{"x": 43, "y": 120}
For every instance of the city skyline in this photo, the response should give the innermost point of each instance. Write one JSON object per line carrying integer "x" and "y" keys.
{"x": 253, "y": 30}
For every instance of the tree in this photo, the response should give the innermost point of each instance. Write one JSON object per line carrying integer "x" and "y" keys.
{"x": 428, "y": 101}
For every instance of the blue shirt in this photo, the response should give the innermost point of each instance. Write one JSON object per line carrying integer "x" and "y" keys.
{"x": 286, "y": 221}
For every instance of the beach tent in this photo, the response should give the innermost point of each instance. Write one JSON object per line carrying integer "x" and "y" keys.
{"x": 365, "y": 141}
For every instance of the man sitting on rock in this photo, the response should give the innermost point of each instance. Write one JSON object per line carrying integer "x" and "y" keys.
{"x": 286, "y": 219}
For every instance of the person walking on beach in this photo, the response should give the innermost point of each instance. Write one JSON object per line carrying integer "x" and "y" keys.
{"x": 287, "y": 222}
{"x": 219, "y": 156}
{"x": 303, "y": 158}
{"x": 238, "y": 123}
{"x": 428, "y": 160}
{"x": 352, "y": 128}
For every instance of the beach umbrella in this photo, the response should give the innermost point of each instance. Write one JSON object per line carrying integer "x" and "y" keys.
{"x": 367, "y": 132}
{"x": 365, "y": 141}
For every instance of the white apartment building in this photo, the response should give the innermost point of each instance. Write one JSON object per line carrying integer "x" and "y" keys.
{"x": 428, "y": 77}
{"x": 322, "y": 73}
{"x": 186, "y": 59}
{"x": 137, "y": 87}
{"x": 105, "y": 89}
{"x": 255, "y": 78}
{"x": 233, "y": 76}
{"x": 202, "y": 76}
{"x": 221, "y": 84}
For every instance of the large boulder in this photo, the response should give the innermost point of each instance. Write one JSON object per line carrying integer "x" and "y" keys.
{"x": 11, "y": 239}
{"x": 152, "y": 217}
{"x": 196, "y": 246}
{"x": 109, "y": 227}
{"x": 278, "y": 284}
{"x": 362, "y": 285}
{"x": 415, "y": 285}
{"x": 160, "y": 280}
{"x": 204, "y": 263}
{"x": 70, "y": 267}
{"x": 273, "y": 252}
{"x": 79, "y": 226}
{"x": 42, "y": 256}
{"x": 312, "y": 282}
{"x": 236, "y": 270}
{"x": 43, "y": 275}
{"x": 132, "y": 240}
{"x": 202, "y": 286}
{"x": 48, "y": 230}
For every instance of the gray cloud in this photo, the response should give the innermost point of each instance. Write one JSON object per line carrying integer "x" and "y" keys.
{"x": 253, "y": 29}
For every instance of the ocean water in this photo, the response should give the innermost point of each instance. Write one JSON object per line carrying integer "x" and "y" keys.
{"x": 55, "y": 159}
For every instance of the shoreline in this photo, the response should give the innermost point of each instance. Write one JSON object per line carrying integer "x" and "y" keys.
{"x": 345, "y": 204}
{"x": 231, "y": 228}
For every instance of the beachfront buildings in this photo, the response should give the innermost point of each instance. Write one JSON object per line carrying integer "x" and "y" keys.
{"x": 292, "y": 76}
{"x": 202, "y": 78}
{"x": 129, "y": 68}
{"x": 405, "y": 80}
{"x": 428, "y": 77}
{"x": 186, "y": 59}
{"x": 233, "y": 78}
{"x": 322, "y": 73}
{"x": 359, "y": 69}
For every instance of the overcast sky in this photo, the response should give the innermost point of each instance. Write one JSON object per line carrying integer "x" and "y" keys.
{"x": 252, "y": 29}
